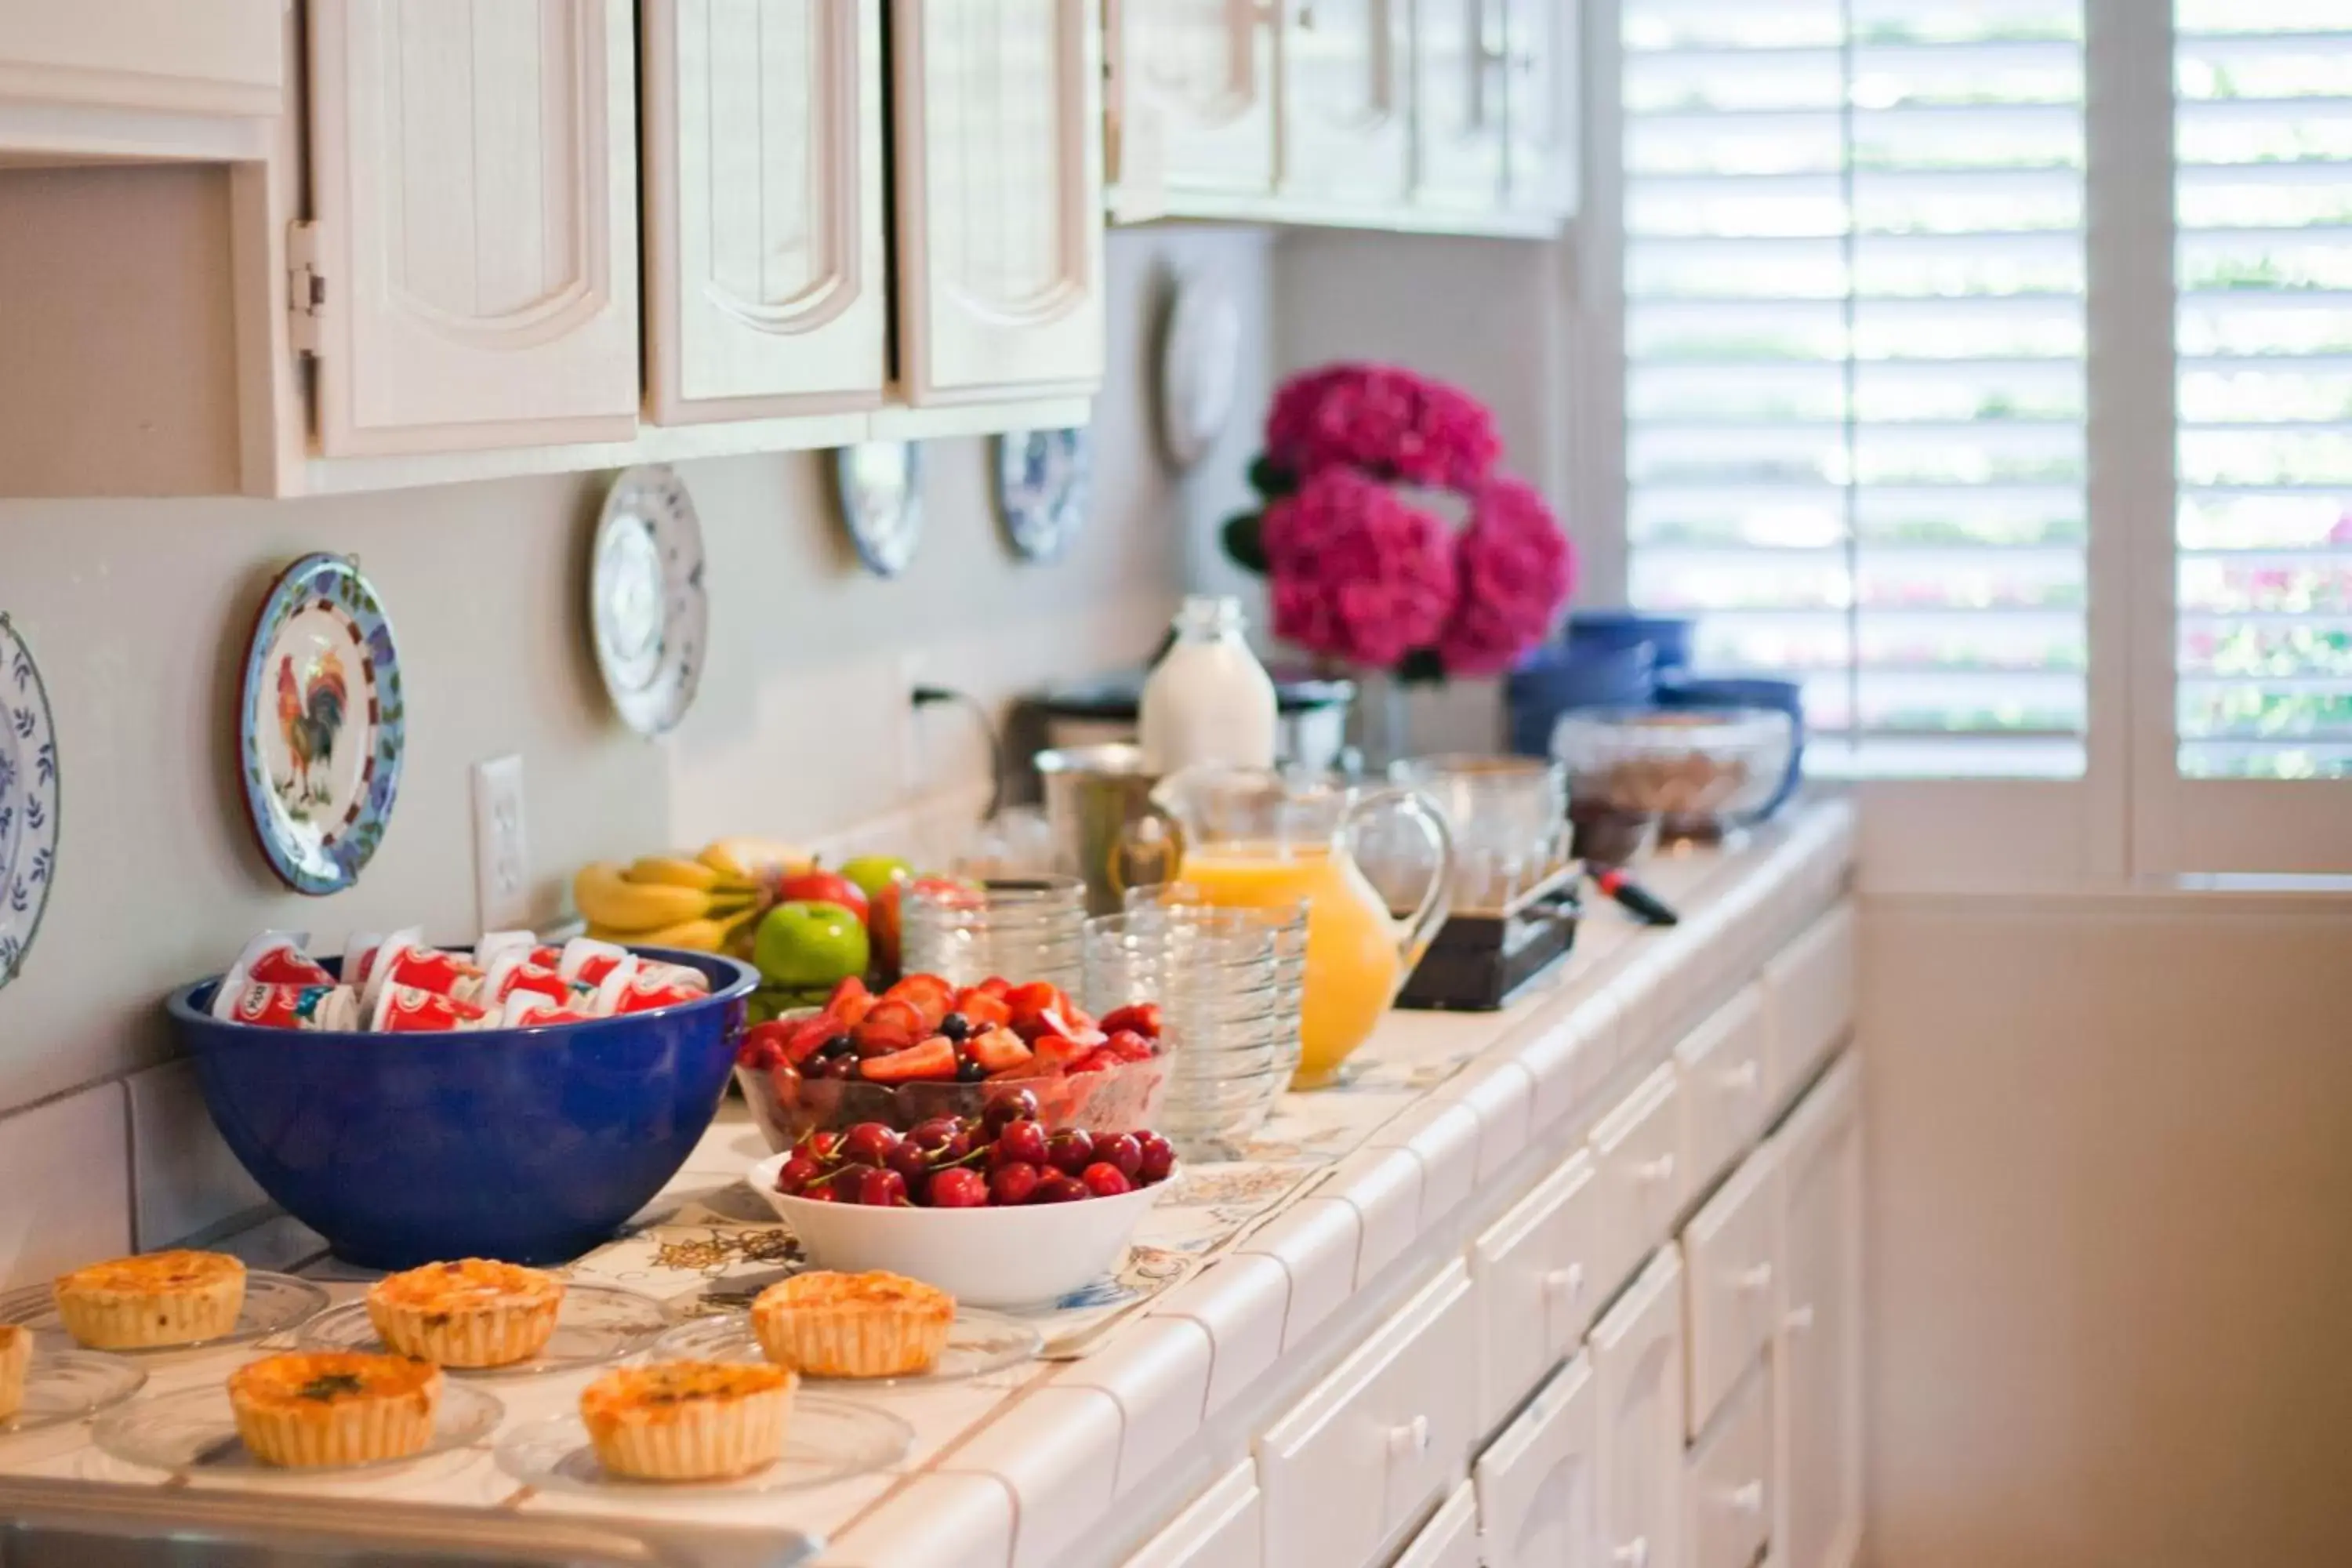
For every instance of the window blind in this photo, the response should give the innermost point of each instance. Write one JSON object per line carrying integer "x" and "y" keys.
{"x": 2262, "y": 199}
{"x": 1855, "y": 340}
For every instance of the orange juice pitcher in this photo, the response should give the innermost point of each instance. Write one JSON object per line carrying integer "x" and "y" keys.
{"x": 1249, "y": 837}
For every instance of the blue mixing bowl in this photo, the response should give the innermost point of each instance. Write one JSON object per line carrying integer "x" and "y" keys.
{"x": 1550, "y": 680}
{"x": 532, "y": 1145}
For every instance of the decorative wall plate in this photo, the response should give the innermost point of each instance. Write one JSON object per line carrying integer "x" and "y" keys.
{"x": 1043, "y": 484}
{"x": 881, "y": 487}
{"x": 28, "y": 799}
{"x": 646, "y": 601}
{"x": 320, "y": 724}
{"x": 1200, "y": 366}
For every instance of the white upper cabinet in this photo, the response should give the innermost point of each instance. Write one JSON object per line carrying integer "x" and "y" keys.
{"x": 765, "y": 281}
{"x": 474, "y": 195}
{"x": 1540, "y": 99}
{"x": 1458, "y": 45}
{"x": 1195, "y": 110}
{"x": 998, "y": 166}
{"x": 1346, "y": 101}
{"x": 222, "y": 56}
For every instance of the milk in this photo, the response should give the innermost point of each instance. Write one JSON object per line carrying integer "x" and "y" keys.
{"x": 1209, "y": 701}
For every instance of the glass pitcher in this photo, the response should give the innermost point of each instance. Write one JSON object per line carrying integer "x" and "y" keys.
{"x": 1251, "y": 839}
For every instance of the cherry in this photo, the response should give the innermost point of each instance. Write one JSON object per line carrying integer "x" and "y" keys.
{"x": 1071, "y": 1150}
{"x": 1059, "y": 1188}
{"x": 1012, "y": 1183}
{"x": 869, "y": 1143}
{"x": 822, "y": 1145}
{"x": 1007, "y": 1108}
{"x": 934, "y": 1133}
{"x": 838, "y": 1068}
{"x": 913, "y": 1164}
{"x": 1105, "y": 1180}
{"x": 881, "y": 1189}
{"x": 819, "y": 1194}
{"x": 960, "y": 1188}
{"x": 954, "y": 1149}
{"x": 1020, "y": 1141}
{"x": 1159, "y": 1158}
{"x": 794, "y": 1175}
{"x": 1123, "y": 1151}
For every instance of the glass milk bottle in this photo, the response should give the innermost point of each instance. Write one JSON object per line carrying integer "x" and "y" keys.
{"x": 1209, "y": 701}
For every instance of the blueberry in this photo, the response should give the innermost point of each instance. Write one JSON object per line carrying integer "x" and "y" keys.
{"x": 837, "y": 1046}
{"x": 955, "y": 1026}
{"x": 970, "y": 1071}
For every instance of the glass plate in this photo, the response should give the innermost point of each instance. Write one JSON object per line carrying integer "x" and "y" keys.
{"x": 826, "y": 1440}
{"x": 596, "y": 1323}
{"x": 66, "y": 1385}
{"x": 273, "y": 1303}
{"x": 978, "y": 1342}
{"x": 196, "y": 1429}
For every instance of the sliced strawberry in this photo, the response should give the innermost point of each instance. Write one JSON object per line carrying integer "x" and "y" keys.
{"x": 1142, "y": 1018}
{"x": 997, "y": 1049}
{"x": 1055, "y": 1050}
{"x": 980, "y": 1010}
{"x": 891, "y": 1024}
{"x": 1128, "y": 1045}
{"x": 1095, "y": 1060}
{"x": 851, "y": 989}
{"x": 929, "y": 994}
{"x": 807, "y": 1034}
{"x": 934, "y": 1058}
{"x": 763, "y": 1045}
{"x": 995, "y": 985}
{"x": 1082, "y": 1031}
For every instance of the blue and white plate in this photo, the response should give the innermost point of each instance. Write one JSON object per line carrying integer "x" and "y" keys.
{"x": 646, "y": 603}
{"x": 1041, "y": 486}
{"x": 320, "y": 724}
{"x": 881, "y": 485}
{"x": 28, "y": 799}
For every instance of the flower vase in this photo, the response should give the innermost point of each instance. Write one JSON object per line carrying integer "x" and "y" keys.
{"x": 1381, "y": 722}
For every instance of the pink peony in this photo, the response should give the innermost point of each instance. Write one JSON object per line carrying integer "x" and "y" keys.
{"x": 1515, "y": 570}
{"x": 1387, "y": 422}
{"x": 1355, "y": 572}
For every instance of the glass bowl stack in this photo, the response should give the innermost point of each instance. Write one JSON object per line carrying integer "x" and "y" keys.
{"x": 1228, "y": 985}
{"x": 1015, "y": 928}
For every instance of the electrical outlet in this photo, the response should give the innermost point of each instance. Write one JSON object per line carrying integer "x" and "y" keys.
{"x": 501, "y": 853}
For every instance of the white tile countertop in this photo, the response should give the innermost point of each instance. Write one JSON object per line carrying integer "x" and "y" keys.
{"x": 1078, "y": 1460}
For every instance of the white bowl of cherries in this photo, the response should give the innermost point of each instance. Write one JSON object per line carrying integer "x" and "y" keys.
{"x": 995, "y": 1210}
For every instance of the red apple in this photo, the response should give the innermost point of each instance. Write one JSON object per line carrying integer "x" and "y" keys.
{"x": 824, "y": 888}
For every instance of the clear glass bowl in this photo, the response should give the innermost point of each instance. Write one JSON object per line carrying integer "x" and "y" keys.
{"x": 1699, "y": 770}
{"x": 1120, "y": 1098}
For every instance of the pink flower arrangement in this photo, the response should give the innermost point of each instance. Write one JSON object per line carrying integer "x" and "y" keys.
{"x": 1358, "y": 572}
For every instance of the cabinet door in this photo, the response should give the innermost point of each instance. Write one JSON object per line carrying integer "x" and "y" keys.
{"x": 474, "y": 181}
{"x": 1222, "y": 1528}
{"x": 1457, "y": 96}
{"x": 1536, "y": 1481}
{"x": 1728, "y": 1481}
{"x": 1450, "y": 1539}
{"x": 1345, "y": 100}
{"x": 1538, "y": 1284}
{"x": 1818, "y": 1408}
{"x": 1539, "y": 100}
{"x": 764, "y": 285}
{"x": 998, "y": 163}
{"x": 1195, "y": 84}
{"x": 1637, "y": 1370}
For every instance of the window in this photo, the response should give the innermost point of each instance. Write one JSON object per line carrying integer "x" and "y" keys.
{"x": 1987, "y": 366}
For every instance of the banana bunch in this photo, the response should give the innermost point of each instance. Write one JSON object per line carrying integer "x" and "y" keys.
{"x": 707, "y": 903}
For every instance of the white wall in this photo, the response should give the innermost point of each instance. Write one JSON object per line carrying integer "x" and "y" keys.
{"x": 2110, "y": 1232}
{"x": 138, "y": 611}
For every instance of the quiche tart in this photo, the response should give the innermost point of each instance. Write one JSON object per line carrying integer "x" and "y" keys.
{"x": 314, "y": 1408}
{"x": 161, "y": 1299}
{"x": 473, "y": 1312}
{"x": 16, "y": 1359}
{"x": 687, "y": 1420}
{"x": 823, "y": 1324}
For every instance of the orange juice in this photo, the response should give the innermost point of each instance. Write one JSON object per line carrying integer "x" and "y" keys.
{"x": 1352, "y": 942}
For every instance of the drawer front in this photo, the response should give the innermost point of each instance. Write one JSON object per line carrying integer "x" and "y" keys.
{"x": 1536, "y": 1481}
{"x": 1637, "y": 1164}
{"x": 1637, "y": 1373}
{"x": 1388, "y": 1426}
{"x": 1221, "y": 1529}
{"x": 1449, "y": 1541}
{"x": 1724, "y": 1099}
{"x": 1809, "y": 994}
{"x": 1537, "y": 1285}
{"x": 1728, "y": 1492}
{"x": 1731, "y": 1257}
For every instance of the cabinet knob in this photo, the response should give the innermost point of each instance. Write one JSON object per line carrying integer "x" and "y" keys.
{"x": 1744, "y": 1078}
{"x": 1651, "y": 1171}
{"x": 1799, "y": 1319}
{"x": 1564, "y": 1285}
{"x": 1410, "y": 1441}
{"x": 1746, "y": 1498}
{"x": 1306, "y": 18}
{"x": 1756, "y": 1280}
{"x": 1634, "y": 1553}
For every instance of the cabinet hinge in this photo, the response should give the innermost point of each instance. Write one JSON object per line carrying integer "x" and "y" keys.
{"x": 305, "y": 288}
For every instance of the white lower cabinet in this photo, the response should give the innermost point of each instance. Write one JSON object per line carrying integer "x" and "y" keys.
{"x": 1448, "y": 1541}
{"x": 1223, "y": 1529}
{"x": 1372, "y": 1446}
{"x": 1728, "y": 1483}
{"x": 1637, "y": 1162}
{"x": 1724, "y": 1102}
{"x": 1808, "y": 1001}
{"x": 1730, "y": 1259}
{"x": 1637, "y": 1371}
{"x": 1538, "y": 1481}
{"x": 1537, "y": 1285}
{"x": 1818, "y": 1414}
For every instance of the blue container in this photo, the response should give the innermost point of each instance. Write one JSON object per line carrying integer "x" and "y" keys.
{"x": 1551, "y": 681}
{"x": 1668, "y": 635}
{"x": 532, "y": 1145}
{"x": 1788, "y": 697}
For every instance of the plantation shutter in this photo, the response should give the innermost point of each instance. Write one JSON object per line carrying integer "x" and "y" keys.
{"x": 1855, "y": 339}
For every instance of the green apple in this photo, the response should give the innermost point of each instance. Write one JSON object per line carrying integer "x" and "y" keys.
{"x": 806, "y": 943}
{"x": 872, "y": 873}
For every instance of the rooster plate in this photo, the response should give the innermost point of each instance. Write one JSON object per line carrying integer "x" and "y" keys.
{"x": 320, "y": 724}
